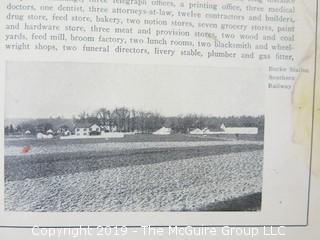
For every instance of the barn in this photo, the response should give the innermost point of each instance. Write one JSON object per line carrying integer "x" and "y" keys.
{"x": 163, "y": 131}
{"x": 239, "y": 130}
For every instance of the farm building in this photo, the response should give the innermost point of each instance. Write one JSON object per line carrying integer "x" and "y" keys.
{"x": 50, "y": 131}
{"x": 206, "y": 131}
{"x": 86, "y": 129}
{"x": 196, "y": 131}
{"x": 64, "y": 130}
{"x": 28, "y": 132}
{"x": 95, "y": 128}
{"x": 163, "y": 131}
{"x": 108, "y": 128}
{"x": 226, "y": 130}
{"x": 67, "y": 133}
{"x": 239, "y": 130}
{"x": 44, "y": 136}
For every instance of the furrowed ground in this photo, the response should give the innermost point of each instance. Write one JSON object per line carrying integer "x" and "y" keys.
{"x": 137, "y": 173}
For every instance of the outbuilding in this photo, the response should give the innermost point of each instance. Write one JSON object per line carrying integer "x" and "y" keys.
{"x": 163, "y": 131}
{"x": 196, "y": 131}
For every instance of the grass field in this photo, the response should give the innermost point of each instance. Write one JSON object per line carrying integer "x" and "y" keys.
{"x": 137, "y": 173}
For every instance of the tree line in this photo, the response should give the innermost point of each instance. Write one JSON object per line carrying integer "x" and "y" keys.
{"x": 124, "y": 119}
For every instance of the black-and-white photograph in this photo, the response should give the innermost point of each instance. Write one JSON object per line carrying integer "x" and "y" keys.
{"x": 90, "y": 137}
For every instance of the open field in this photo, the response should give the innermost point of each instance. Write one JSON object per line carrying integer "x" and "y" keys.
{"x": 137, "y": 173}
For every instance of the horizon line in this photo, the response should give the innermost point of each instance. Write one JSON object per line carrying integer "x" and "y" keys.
{"x": 166, "y": 116}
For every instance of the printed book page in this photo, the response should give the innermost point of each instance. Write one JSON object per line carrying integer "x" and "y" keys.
{"x": 197, "y": 117}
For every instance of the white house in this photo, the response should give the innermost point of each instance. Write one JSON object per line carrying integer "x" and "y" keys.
{"x": 163, "y": 131}
{"x": 95, "y": 128}
{"x": 82, "y": 129}
{"x": 86, "y": 129}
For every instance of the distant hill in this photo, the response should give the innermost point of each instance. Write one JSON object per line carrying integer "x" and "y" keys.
{"x": 15, "y": 121}
{"x": 55, "y": 122}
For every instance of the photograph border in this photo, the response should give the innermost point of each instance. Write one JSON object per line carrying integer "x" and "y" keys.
{"x": 233, "y": 225}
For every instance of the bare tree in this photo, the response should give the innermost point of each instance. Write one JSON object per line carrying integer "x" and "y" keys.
{"x": 122, "y": 118}
{"x": 104, "y": 117}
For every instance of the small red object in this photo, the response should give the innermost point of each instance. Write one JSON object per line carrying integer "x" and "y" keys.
{"x": 25, "y": 149}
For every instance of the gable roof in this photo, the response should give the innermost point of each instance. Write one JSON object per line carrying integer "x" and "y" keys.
{"x": 86, "y": 125}
{"x": 163, "y": 130}
{"x": 83, "y": 125}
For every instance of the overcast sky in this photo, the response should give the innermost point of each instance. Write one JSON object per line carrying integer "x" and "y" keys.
{"x": 40, "y": 90}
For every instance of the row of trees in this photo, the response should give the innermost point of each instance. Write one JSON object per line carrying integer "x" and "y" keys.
{"x": 123, "y": 119}
{"x": 128, "y": 120}
{"x": 28, "y": 126}
{"x": 38, "y": 125}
